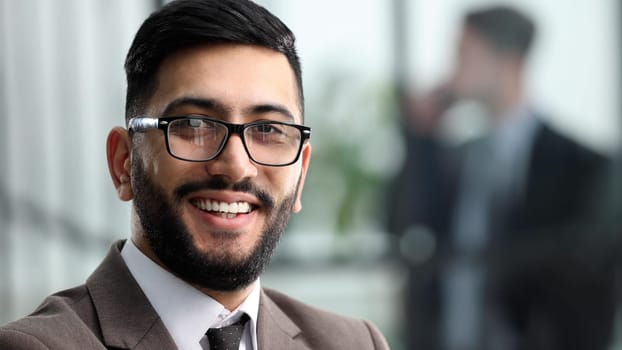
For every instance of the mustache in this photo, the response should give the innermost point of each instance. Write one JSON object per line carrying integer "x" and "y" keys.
{"x": 221, "y": 183}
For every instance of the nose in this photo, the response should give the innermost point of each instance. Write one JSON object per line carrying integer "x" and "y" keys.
{"x": 233, "y": 162}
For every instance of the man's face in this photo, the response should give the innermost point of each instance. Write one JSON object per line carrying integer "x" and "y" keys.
{"x": 212, "y": 249}
{"x": 477, "y": 67}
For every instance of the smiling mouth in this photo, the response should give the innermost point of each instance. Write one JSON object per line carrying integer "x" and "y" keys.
{"x": 224, "y": 209}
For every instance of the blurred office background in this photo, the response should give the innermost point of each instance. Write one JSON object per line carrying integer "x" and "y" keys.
{"x": 62, "y": 88}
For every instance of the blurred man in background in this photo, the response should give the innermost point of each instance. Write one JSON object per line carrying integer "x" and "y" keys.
{"x": 518, "y": 260}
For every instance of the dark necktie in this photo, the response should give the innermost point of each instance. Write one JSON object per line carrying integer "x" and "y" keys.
{"x": 227, "y": 338}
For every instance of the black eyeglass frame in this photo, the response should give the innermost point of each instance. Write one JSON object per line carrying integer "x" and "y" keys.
{"x": 143, "y": 123}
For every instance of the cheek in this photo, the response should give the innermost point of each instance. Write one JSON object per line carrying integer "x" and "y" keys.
{"x": 159, "y": 165}
{"x": 468, "y": 70}
{"x": 475, "y": 75}
{"x": 283, "y": 181}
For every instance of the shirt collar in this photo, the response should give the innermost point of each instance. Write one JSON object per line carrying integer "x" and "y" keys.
{"x": 186, "y": 312}
{"x": 514, "y": 132}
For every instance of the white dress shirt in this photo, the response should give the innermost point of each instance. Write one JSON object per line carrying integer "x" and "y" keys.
{"x": 495, "y": 166}
{"x": 512, "y": 141}
{"x": 186, "y": 312}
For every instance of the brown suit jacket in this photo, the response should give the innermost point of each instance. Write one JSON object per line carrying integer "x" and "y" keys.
{"x": 110, "y": 311}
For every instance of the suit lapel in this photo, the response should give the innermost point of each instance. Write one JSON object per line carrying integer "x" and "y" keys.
{"x": 126, "y": 318}
{"x": 276, "y": 331}
{"x": 128, "y": 321}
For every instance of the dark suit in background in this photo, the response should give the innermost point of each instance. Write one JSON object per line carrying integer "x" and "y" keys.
{"x": 548, "y": 259}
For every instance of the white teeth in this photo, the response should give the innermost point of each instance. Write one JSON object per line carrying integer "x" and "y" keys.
{"x": 243, "y": 207}
{"x": 233, "y": 207}
{"x": 226, "y": 208}
{"x": 223, "y": 207}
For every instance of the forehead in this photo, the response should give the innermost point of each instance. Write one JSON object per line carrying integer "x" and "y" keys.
{"x": 236, "y": 78}
{"x": 473, "y": 40}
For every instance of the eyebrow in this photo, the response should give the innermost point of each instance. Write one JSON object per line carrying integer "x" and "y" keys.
{"x": 268, "y": 108}
{"x": 218, "y": 107}
{"x": 204, "y": 103}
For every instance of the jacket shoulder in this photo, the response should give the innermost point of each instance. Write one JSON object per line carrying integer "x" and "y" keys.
{"x": 326, "y": 330}
{"x": 65, "y": 320}
{"x": 553, "y": 144}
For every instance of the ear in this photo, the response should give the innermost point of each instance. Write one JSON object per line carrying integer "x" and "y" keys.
{"x": 118, "y": 150}
{"x": 306, "y": 157}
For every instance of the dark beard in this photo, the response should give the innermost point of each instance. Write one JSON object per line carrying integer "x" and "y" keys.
{"x": 171, "y": 242}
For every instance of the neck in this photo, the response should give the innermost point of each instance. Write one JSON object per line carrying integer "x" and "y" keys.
{"x": 231, "y": 300}
{"x": 507, "y": 97}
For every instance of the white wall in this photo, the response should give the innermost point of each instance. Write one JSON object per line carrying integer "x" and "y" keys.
{"x": 62, "y": 89}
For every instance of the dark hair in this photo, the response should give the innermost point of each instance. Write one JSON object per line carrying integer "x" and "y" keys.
{"x": 505, "y": 28}
{"x": 186, "y": 23}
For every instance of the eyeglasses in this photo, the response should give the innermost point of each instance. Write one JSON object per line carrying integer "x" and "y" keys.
{"x": 199, "y": 138}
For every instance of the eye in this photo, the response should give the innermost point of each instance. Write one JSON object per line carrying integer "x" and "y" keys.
{"x": 272, "y": 131}
{"x": 194, "y": 123}
{"x": 265, "y": 128}
{"x": 273, "y": 134}
{"x": 198, "y": 123}
{"x": 197, "y": 130}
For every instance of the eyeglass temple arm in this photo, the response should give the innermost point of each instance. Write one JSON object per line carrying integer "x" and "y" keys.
{"x": 138, "y": 124}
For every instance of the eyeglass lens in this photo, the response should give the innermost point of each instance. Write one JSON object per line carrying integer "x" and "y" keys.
{"x": 201, "y": 139}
